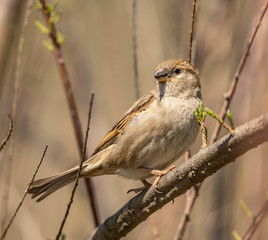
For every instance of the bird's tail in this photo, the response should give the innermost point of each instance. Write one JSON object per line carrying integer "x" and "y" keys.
{"x": 46, "y": 186}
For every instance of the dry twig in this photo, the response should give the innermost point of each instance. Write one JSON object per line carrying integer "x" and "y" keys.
{"x": 191, "y": 195}
{"x": 4, "y": 142}
{"x": 71, "y": 103}
{"x": 79, "y": 171}
{"x": 25, "y": 193}
{"x": 203, "y": 134}
{"x": 256, "y": 221}
{"x": 192, "y": 31}
{"x": 135, "y": 51}
{"x": 230, "y": 94}
{"x": 226, "y": 104}
{"x": 155, "y": 229}
{"x": 14, "y": 112}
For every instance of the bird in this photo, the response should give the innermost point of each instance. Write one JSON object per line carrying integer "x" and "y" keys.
{"x": 148, "y": 138}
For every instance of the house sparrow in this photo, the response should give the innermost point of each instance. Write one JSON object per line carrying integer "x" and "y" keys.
{"x": 151, "y": 135}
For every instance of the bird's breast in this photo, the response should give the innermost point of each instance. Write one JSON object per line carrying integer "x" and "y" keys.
{"x": 158, "y": 136}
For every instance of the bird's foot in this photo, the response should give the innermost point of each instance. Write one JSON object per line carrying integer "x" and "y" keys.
{"x": 137, "y": 190}
{"x": 158, "y": 174}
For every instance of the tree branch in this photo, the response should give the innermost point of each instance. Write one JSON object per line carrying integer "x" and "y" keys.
{"x": 256, "y": 221}
{"x": 202, "y": 165}
{"x": 231, "y": 91}
{"x": 192, "y": 31}
{"x": 4, "y": 142}
{"x": 134, "y": 47}
{"x": 72, "y": 106}
{"x": 79, "y": 171}
{"x": 24, "y": 196}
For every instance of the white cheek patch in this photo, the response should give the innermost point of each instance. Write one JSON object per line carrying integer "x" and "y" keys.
{"x": 179, "y": 76}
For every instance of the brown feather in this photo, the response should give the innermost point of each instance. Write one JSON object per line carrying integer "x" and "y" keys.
{"x": 99, "y": 163}
{"x": 46, "y": 186}
{"x": 118, "y": 128}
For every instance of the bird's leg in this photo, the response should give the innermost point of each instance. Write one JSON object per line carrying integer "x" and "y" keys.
{"x": 137, "y": 190}
{"x": 158, "y": 174}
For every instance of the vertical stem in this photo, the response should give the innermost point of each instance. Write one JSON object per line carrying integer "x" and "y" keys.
{"x": 192, "y": 32}
{"x": 135, "y": 54}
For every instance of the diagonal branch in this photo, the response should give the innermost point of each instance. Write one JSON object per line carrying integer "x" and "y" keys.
{"x": 202, "y": 165}
{"x": 4, "y": 142}
{"x": 256, "y": 221}
{"x": 194, "y": 194}
{"x": 71, "y": 103}
{"x": 79, "y": 171}
{"x": 238, "y": 72}
{"x": 24, "y": 196}
{"x": 17, "y": 80}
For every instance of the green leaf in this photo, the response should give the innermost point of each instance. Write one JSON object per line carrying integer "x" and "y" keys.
{"x": 236, "y": 235}
{"x": 204, "y": 116}
{"x": 201, "y": 108}
{"x": 197, "y": 115}
{"x": 211, "y": 113}
{"x": 60, "y": 37}
{"x": 52, "y": 7}
{"x": 245, "y": 208}
{"x": 230, "y": 118}
{"x": 54, "y": 18}
{"x": 38, "y": 5}
{"x": 41, "y": 27}
{"x": 49, "y": 45}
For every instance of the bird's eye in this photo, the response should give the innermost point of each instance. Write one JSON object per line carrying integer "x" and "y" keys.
{"x": 177, "y": 70}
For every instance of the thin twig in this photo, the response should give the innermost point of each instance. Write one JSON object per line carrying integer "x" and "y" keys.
{"x": 187, "y": 155}
{"x": 188, "y": 208}
{"x": 256, "y": 221}
{"x": 191, "y": 195}
{"x": 185, "y": 218}
{"x": 4, "y": 142}
{"x": 25, "y": 193}
{"x": 79, "y": 171}
{"x": 14, "y": 112}
{"x": 155, "y": 229}
{"x": 238, "y": 72}
{"x": 192, "y": 31}
{"x": 135, "y": 51}
{"x": 203, "y": 134}
{"x": 226, "y": 126}
{"x": 72, "y": 106}
{"x": 220, "y": 121}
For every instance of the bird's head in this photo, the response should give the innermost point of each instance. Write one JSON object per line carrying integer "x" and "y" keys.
{"x": 177, "y": 77}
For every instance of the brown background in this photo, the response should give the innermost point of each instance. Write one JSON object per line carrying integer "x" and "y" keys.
{"x": 98, "y": 52}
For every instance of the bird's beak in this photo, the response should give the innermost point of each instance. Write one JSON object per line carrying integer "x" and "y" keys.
{"x": 162, "y": 76}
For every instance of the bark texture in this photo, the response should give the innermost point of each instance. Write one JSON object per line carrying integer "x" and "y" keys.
{"x": 202, "y": 165}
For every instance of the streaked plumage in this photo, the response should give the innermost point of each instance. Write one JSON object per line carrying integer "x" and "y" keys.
{"x": 152, "y": 134}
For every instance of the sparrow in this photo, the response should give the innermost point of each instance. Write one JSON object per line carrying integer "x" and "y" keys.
{"x": 149, "y": 137}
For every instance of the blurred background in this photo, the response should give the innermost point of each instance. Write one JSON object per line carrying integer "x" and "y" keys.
{"x": 99, "y": 56}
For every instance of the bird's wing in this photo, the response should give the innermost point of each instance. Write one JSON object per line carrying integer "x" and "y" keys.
{"x": 118, "y": 129}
